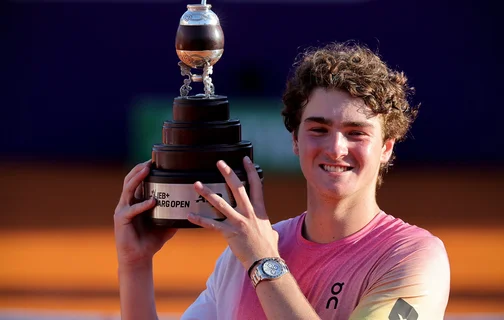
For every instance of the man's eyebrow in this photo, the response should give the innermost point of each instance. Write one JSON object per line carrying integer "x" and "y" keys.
{"x": 329, "y": 122}
{"x": 358, "y": 124}
{"x": 321, "y": 120}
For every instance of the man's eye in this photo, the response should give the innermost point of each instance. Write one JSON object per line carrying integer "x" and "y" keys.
{"x": 357, "y": 133}
{"x": 318, "y": 130}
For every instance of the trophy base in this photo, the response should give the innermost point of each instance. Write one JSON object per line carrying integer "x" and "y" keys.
{"x": 176, "y": 223}
{"x": 176, "y": 197}
{"x": 200, "y": 134}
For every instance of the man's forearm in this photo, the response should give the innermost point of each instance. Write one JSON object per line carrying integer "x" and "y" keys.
{"x": 282, "y": 299}
{"x": 136, "y": 288}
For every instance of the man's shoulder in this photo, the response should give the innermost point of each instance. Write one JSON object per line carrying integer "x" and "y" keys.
{"x": 400, "y": 229}
{"x": 406, "y": 239}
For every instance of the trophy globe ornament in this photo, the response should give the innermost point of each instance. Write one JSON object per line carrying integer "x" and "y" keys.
{"x": 200, "y": 133}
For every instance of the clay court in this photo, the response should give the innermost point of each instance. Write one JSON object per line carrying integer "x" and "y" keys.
{"x": 59, "y": 256}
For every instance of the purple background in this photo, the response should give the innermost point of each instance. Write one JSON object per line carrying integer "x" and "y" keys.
{"x": 71, "y": 71}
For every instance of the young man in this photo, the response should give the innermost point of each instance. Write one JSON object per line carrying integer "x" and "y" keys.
{"x": 344, "y": 258}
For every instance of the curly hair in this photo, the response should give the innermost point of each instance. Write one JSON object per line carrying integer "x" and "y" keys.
{"x": 360, "y": 72}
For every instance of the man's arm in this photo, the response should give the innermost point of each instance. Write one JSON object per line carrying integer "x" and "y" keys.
{"x": 136, "y": 245}
{"x": 282, "y": 299}
{"x": 136, "y": 288}
{"x": 415, "y": 287}
{"x": 251, "y": 237}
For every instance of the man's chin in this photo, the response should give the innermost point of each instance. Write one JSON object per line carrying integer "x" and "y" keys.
{"x": 335, "y": 191}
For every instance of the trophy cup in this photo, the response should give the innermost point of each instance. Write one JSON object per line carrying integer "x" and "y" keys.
{"x": 200, "y": 134}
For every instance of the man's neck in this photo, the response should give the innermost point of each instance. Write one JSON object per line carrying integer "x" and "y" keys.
{"x": 328, "y": 220}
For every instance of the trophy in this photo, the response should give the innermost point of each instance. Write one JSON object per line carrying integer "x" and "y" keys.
{"x": 200, "y": 134}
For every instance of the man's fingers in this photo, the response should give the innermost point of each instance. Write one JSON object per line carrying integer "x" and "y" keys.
{"x": 135, "y": 170}
{"x": 207, "y": 223}
{"x": 136, "y": 209}
{"x": 236, "y": 186}
{"x": 139, "y": 195}
{"x": 216, "y": 201}
{"x": 256, "y": 188}
{"x": 129, "y": 189}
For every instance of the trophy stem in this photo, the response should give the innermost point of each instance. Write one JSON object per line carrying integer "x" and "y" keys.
{"x": 185, "y": 70}
{"x": 207, "y": 81}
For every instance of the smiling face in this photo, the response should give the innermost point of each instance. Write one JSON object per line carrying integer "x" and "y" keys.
{"x": 340, "y": 145}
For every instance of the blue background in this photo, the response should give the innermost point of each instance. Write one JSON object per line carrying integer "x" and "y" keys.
{"x": 72, "y": 71}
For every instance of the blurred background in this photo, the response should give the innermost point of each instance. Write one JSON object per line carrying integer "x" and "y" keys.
{"x": 86, "y": 86}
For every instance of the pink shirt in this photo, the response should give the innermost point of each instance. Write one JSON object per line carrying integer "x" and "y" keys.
{"x": 387, "y": 270}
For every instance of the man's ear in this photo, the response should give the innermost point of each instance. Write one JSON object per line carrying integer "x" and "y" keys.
{"x": 295, "y": 147}
{"x": 387, "y": 149}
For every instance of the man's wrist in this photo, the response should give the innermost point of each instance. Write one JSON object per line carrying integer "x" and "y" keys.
{"x": 248, "y": 264}
{"x": 135, "y": 267}
{"x": 252, "y": 267}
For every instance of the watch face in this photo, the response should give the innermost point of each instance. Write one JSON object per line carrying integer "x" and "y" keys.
{"x": 272, "y": 268}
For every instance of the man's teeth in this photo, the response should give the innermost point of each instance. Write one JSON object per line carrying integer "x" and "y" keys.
{"x": 335, "y": 169}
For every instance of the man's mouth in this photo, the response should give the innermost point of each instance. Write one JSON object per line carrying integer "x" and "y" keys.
{"x": 329, "y": 168}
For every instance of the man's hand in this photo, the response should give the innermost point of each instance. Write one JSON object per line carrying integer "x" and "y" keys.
{"x": 247, "y": 229}
{"x": 136, "y": 242}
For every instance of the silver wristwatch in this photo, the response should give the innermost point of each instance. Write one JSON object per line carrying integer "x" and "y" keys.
{"x": 268, "y": 269}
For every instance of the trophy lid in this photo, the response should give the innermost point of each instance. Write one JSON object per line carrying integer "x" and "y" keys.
{"x": 198, "y": 15}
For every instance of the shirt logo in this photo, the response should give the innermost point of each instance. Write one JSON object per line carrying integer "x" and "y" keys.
{"x": 403, "y": 311}
{"x": 335, "y": 290}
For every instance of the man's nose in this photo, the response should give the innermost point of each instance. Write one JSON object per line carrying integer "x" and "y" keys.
{"x": 337, "y": 146}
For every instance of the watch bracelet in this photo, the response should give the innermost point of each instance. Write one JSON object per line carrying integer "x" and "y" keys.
{"x": 252, "y": 266}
